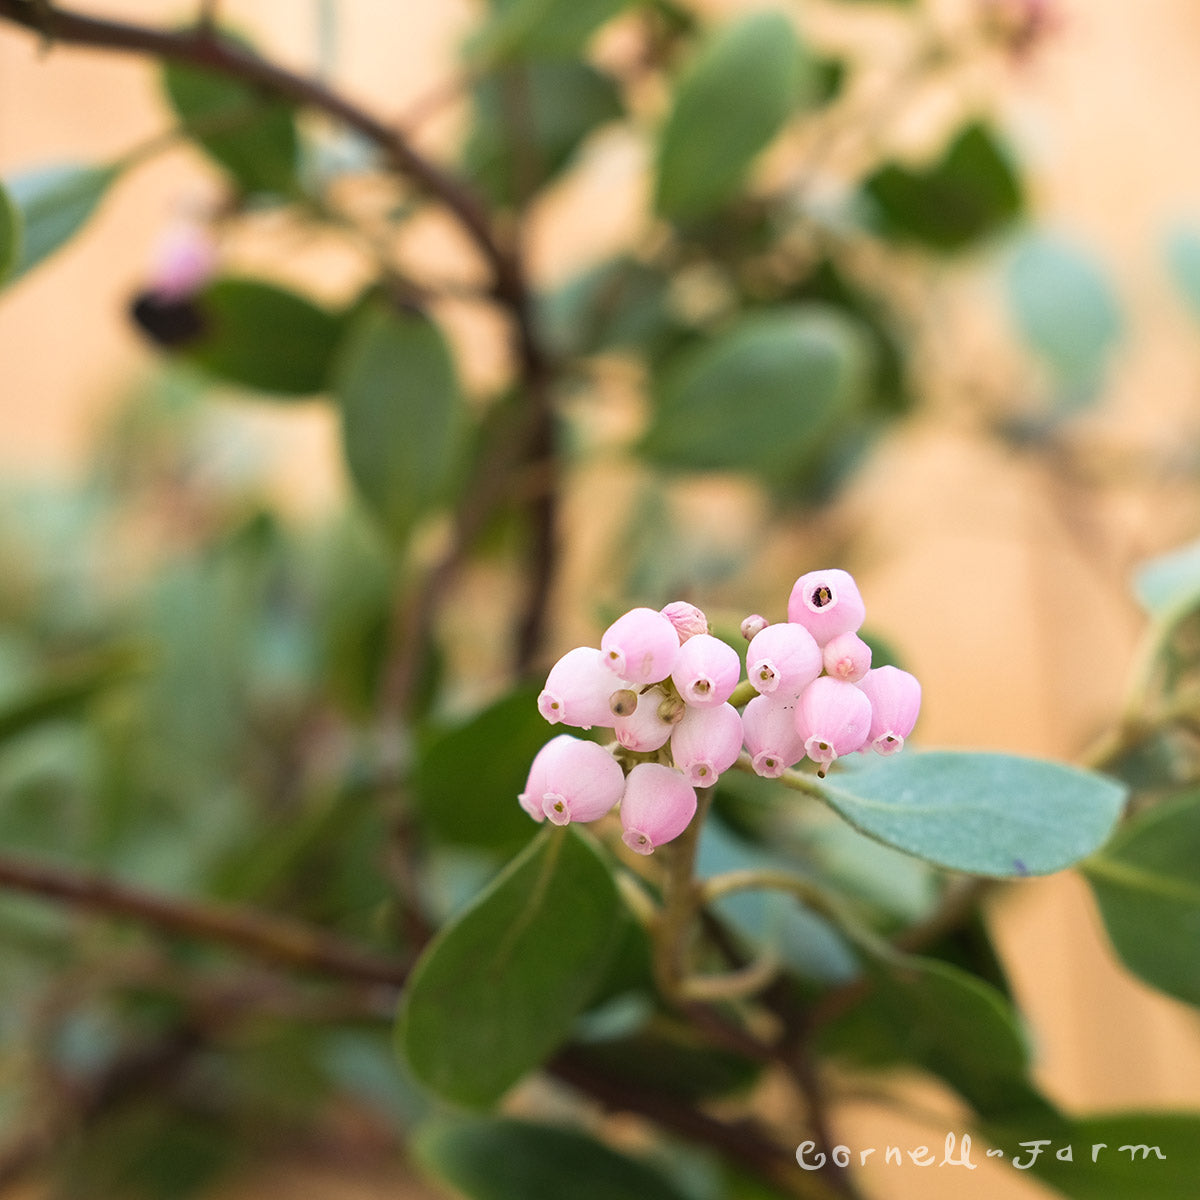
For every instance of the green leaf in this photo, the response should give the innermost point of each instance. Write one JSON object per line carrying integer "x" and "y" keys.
{"x": 10, "y": 233}
{"x": 52, "y": 204}
{"x": 991, "y": 814}
{"x": 402, "y": 414}
{"x": 970, "y": 193}
{"x": 250, "y": 134}
{"x": 496, "y": 992}
{"x": 517, "y": 1160}
{"x": 733, "y": 99}
{"x": 529, "y": 120}
{"x": 949, "y": 1023}
{"x": 263, "y": 337}
{"x": 467, "y": 806}
{"x": 1064, "y": 308}
{"x": 550, "y": 28}
{"x": 1146, "y": 885}
{"x": 762, "y": 395}
{"x": 1125, "y": 1163}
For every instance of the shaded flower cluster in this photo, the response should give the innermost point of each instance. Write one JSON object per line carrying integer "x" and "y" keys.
{"x": 663, "y": 684}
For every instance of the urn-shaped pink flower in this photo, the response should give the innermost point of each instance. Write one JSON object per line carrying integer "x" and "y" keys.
{"x": 826, "y": 603}
{"x": 645, "y": 729}
{"x": 769, "y": 726}
{"x": 783, "y": 660}
{"x": 833, "y": 718}
{"x": 847, "y": 657}
{"x": 657, "y": 806}
{"x": 578, "y": 690}
{"x": 572, "y": 780}
{"x": 895, "y": 698}
{"x": 706, "y": 671}
{"x": 640, "y": 646}
{"x": 707, "y": 742}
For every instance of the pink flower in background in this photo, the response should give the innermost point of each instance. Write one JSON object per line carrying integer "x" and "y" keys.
{"x": 578, "y": 690}
{"x": 572, "y": 780}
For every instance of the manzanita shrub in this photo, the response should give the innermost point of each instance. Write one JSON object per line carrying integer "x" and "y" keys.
{"x": 648, "y": 908}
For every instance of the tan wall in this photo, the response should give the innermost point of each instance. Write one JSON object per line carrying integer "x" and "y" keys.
{"x": 1005, "y": 584}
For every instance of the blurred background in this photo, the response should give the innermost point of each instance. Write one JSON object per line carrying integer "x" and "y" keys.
{"x": 994, "y": 527}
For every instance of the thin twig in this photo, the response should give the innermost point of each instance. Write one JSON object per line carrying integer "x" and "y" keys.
{"x": 272, "y": 938}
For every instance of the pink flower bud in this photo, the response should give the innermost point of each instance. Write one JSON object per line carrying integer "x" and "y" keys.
{"x": 895, "y": 698}
{"x": 185, "y": 259}
{"x": 706, "y": 670}
{"x": 646, "y": 728}
{"x": 578, "y": 690}
{"x": 769, "y": 726}
{"x": 847, "y": 657}
{"x": 826, "y": 603}
{"x": 572, "y": 780}
{"x": 707, "y": 742}
{"x": 753, "y": 625}
{"x": 832, "y": 718}
{"x": 657, "y": 806}
{"x": 641, "y": 646}
{"x": 783, "y": 660}
{"x": 687, "y": 619}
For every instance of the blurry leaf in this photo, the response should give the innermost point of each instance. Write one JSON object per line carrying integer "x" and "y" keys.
{"x": 1065, "y": 309}
{"x": 1148, "y": 890}
{"x": 615, "y": 304}
{"x": 263, "y": 337}
{"x": 990, "y": 814}
{"x": 549, "y": 28}
{"x": 1183, "y": 262}
{"x": 1114, "y": 1155}
{"x": 251, "y": 134}
{"x": 67, "y": 690}
{"x": 514, "y": 1160}
{"x": 735, "y": 96}
{"x": 52, "y": 204}
{"x": 10, "y": 233}
{"x": 497, "y": 990}
{"x": 402, "y": 414}
{"x": 530, "y": 117}
{"x": 1170, "y": 581}
{"x": 949, "y": 1023}
{"x": 971, "y": 192}
{"x": 761, "y": 395}
{"x": 472, "y": 807}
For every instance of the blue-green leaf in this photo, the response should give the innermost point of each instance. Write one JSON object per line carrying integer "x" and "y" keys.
{"x": 1147, "y": 887}
{"x": 1170, "y": 581}
{"x": 990, "y": 814}
{"x": 10, "y": 233}
{"x": 733, "y": 99}
{"x": 763, "y": 395}
{"x": 1183, "y": 261}
{"x": 53, "y": 203}
{"x": 497, "y": 990}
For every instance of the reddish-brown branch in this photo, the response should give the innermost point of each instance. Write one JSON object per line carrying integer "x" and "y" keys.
{"x": 275, "y": 939}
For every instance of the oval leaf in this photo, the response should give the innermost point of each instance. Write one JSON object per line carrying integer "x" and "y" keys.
{"x": 251, "y": 135}
{"x": 762, "y": 396}
{"x": 497, "y": 991}
{"x": 990, "y": 814}
{"x": 264, "y": 337}
{"x": 549, "y": 28}
{"x": 1146, "y": 885}
{"x": 53, "y": 203}
{"x": 516, "y": 1160}
{"x": 1064, "y": 308}
{"x": 971, "y": 192}
{"x": 734, "y": 98}
{"x": 464, "y": 805}
{"x": 10, "y": 233}
{"x": 401, "y": 414}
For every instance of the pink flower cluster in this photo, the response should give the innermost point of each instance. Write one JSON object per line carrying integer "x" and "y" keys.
{"x": 663, "y": 684}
